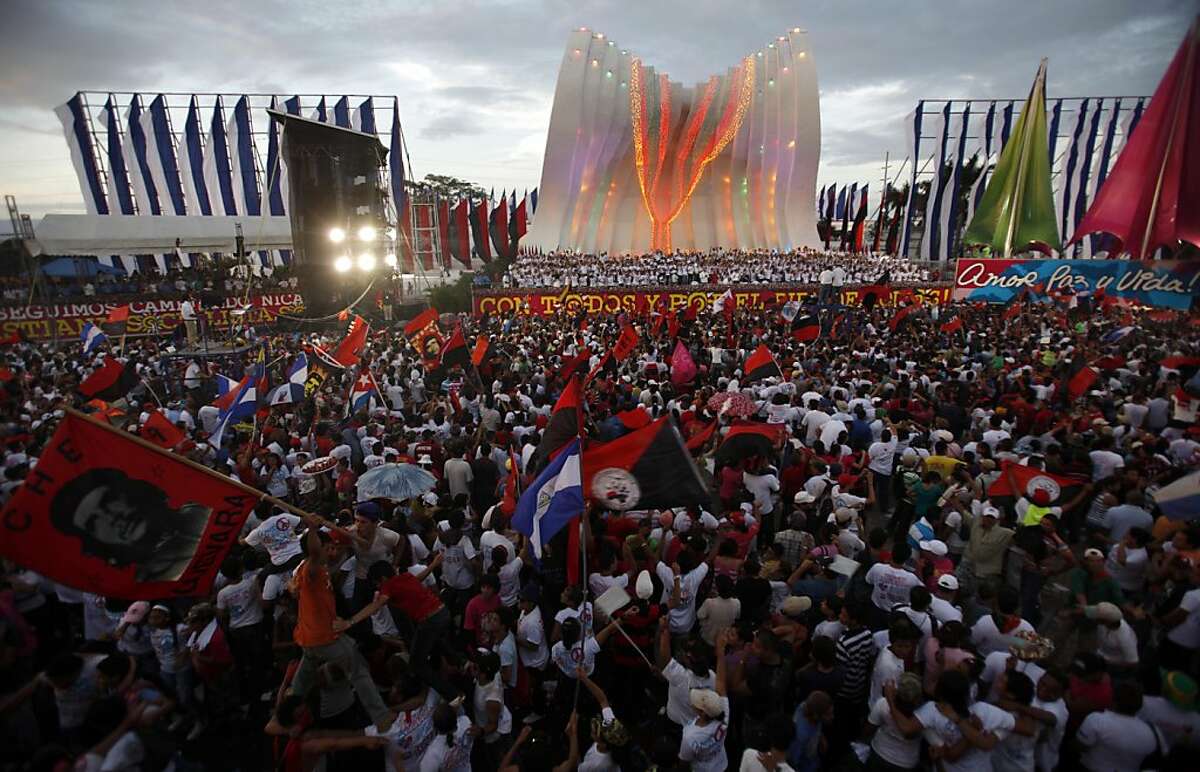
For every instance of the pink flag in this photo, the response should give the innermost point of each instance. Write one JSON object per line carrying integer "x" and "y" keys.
{"x": 683, "y": 369}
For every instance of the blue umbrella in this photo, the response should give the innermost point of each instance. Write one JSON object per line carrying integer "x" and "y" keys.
{"x": 394, "y": 481}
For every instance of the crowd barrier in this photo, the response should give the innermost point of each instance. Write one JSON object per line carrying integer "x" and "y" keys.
{"x": 640, "y": 300}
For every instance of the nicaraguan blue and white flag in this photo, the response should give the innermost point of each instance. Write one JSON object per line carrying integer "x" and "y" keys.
{"x": 1181, "y": 499}
{"x": 1117, "y": 334}
{"x": 293, "y": 390}
{"x": 553, "y": 500}
{"x": 92, "y": 336}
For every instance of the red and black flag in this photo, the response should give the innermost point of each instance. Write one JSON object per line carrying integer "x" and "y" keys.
{"x": 761, "y": 364}
{"x": 1080, "y": 380}
{"x": 1017, "y": 481}
{"x": 479, "y": 230}
{"x": 566, "y": 423}
{"x": 456, "y": 353}
{"x": 444, "y": 231}
{"x": 348, "y": 351}
{"x": 498, "y": 227}
{"x": 110, "y": 382}
{"x": 860, "y": 221}
{"x": 572, "y": 365}
{"x": 900, "y": 315}
{"x": 518, "y": 225}
{"x": 162, "y": 432}
{"x": 607, "y": 363}
{"x": 698, "y": 439}
{"x": 460, "y": 233}
{"x": 805, "y": 327}
{"x": 626, "y": 344}
{"x": 893, "y": 236}
{"x": 113, "y": 515}
{"x": 116, "y": 320}
{"x": 480, "y": 352}
{"x": 750, "y": 438}
{"x": 646, "y": 469}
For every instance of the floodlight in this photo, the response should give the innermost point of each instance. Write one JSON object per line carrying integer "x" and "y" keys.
{"x": 366, "y": 233}
{"x": 342, "y": 264}
{"x": 390, "y": 260}
{"x": 366, "y": 261}
{"x": 337, "y": 235}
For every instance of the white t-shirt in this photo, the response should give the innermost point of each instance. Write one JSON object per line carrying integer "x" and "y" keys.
{"x": 492, "y": 691}
{"x": 1050, "y": 738}
{"x": 681, "y": 618}
{"x": 456, "y": 567}
{"x": 940, "y": 731}
{"x": 680, "y": 682}
{"x": 704, "y": 746}
{"x": 410, "y": 734}
{"x": 988, "y": 638}
{"x": 883, "y": 456}
{"x": 488, "y": 541}
{"x": 997, "y": 662}
{"x": 1118, "y": 647}
{"x": 530, "y": 628}
{"x": 1105, "y": 463}
{"x": 241, "y": 600}
{"x": 277, "y": 535}
{"x": 510, "y": 582}
{"x": 888, "y": 669}
{"x": 1178, "y": 726}
{"x": 1132, "y": 575}
{"x": 944, "y": 611}
{"x": 890, "y": 586}
{"x": 1113, "y": 742}
{"x": 581, "y": 654}
{"x": 1187, "y": 632}
{"x": 889, "y": 742}
{"x": 440, "y": 756}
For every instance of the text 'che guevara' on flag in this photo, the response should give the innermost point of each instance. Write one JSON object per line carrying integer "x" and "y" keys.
{"x": 424, "y": 336}
{"x": 104, "y": 513}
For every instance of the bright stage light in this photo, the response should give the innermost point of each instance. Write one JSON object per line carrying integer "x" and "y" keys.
{"x": 366, "y": 233}
{"x": 342, "y": 264}
{"x": 366, "y": 261}
{"x": 389, "y": 260}
{"x": 337, "y": 235}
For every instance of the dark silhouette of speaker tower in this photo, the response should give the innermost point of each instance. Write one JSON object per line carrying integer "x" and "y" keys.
{"x": 338, "y": 209}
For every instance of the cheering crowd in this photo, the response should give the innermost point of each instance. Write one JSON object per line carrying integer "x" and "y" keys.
{"x": 715, "y": 267}
{"x": 921, "y": 545}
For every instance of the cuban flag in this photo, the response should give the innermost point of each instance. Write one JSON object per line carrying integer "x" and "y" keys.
{"x": 553, "y": 500}
{"x": 243, "y": 406}
{"x": 92, "y": 336}
{"x": 1181, "y": 499}
{"x": 362, "y": 391}
{"x": 225, "y": 384}
{"x": 293, "y": 390}
{"x": 1117, "y": 334}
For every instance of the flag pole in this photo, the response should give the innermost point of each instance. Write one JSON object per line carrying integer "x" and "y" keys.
{"x": 135, "y": 439}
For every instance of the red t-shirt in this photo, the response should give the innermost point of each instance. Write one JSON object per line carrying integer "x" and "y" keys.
{"x": 476, "y": 608}
{"x": 415, "y": 600}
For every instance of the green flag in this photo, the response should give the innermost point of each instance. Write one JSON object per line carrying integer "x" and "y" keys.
{"x": 1018, "y": 205}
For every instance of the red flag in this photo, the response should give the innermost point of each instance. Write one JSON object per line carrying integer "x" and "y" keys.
{"x": 1081, "y": 381}
{"x": 1013, "y": 310}
{"x": 348, "y": 351}
{"x": 11, "y": 339}
{"x": 566, "y": 422}
{"x": 672, "y": 325}
{"x": 1017, "y": 480}
{"x": 118, "y": 314}
{"x": 570, "y": 366}
{"x": 109, "y": 382}
{"x": 455, "y": 352}
{"x": 481, "y": 348}
{"x": 954, "y": 325}
{"x": 698, "y": 439}
{"x": 626, "y": 343}
{"x": 646, "y": 469}
{"x": 110, "y": 514}
{"x": 683, "y": 367}
{"x": 635, "y": 418}
{"x": 760, "y": 364}
{"x": 162, "y": 432}
{"x": 512, "y": 491}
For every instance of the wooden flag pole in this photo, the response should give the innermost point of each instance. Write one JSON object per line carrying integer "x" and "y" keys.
{"x": 135, "y": 439}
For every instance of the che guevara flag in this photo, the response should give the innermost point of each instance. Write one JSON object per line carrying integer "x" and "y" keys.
{"x": 646, "y": 469}
{"x": 108, "y": 514}
{"x": 422, "y": 332}
{"x": 761, "y": 364}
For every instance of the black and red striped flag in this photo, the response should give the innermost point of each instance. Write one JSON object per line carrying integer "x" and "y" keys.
{"x": 456, "y": 353}
{"x": 761, "y": 364}
{"x": 805, "y": 328}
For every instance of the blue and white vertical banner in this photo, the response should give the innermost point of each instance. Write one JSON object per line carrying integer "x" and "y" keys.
{"x": 948, "y": 225}
{"x": 218, "y": 174}
{"x": 276, "y": 171}
{"x": 145, "y": 193}
{"x": 1086, "y": 171}
{"x": 364, "y": 117}
{"x": 160, "y": 155}
{"x": 118, "y": 174}
{"x": 940, "y": 130}
{"x": 1069, "y": 178}
{"x": 192, "y": 164}
{"x": 914, "y": 143}
{"x": 341, "y": 113}
{"x": 320, "y": 114}
{"x": 81, "y": 143}
{"x": 988, "y": 139}
{"x": 244, "y": 160}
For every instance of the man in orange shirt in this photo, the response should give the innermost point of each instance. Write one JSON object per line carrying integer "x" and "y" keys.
{"x": 316, "y": 636}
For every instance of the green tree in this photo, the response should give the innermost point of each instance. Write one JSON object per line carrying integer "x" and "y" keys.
{"x": 442, "y": 186}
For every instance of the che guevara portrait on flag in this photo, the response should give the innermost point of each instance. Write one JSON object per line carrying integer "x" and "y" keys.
{"x": 112, "y": 514}
{"x": 127, "y": 522}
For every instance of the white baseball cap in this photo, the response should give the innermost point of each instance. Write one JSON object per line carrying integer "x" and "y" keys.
{"x": 936, "y": 546}
{"x": 948, "y": 582}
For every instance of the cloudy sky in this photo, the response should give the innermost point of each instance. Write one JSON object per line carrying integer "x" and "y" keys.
{"x": 475, "y": 78}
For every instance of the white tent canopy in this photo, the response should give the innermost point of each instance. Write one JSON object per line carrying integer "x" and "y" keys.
{"x": 86, "y": 234}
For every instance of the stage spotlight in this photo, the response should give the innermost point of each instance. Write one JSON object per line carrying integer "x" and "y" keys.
{"x": 366, "y": 233}
{"x": 390, "y": 260}
{"x": 337, "y": 235}
{"x": 342, "y": 264}
{"x": 366, "y": 261}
